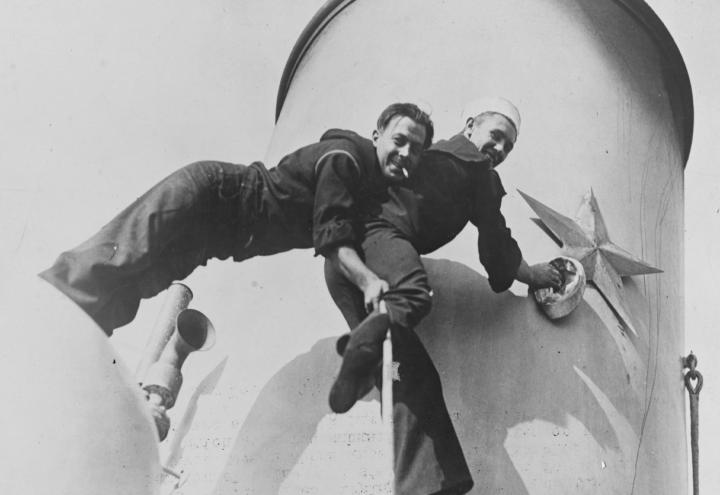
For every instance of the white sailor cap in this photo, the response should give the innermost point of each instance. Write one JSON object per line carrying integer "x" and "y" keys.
{"x": 495, "y": 104}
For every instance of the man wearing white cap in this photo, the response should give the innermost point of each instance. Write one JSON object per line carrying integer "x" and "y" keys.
{"x": 456, "y": 182}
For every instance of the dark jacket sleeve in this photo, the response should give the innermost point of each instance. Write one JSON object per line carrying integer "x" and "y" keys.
{"x": 338, "y": 177}
{"x": 499, "y": 252}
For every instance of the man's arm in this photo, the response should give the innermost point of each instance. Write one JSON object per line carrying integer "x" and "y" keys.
{"x": 538, "y": 276}
{"x": 338, "y": 179}
{"x": 499, "y": 252}
{"x": 349, "y": 263}
{"x": 339, "y": 174}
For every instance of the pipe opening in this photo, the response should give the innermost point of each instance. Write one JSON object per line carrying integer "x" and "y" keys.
{"x": 195, "y": 329}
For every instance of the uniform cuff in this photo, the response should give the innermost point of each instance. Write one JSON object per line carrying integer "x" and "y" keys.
{"x": 331, "y": 235}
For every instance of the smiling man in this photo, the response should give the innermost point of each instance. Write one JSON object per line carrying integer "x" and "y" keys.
{"x": 455, "y": 183}
{"x": 314, "y": 197}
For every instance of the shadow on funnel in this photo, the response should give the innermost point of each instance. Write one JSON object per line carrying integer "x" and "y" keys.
{"x": 502, "y": 364}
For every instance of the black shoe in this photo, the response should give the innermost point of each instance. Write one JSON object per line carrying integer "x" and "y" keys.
{"x": 362, "y": 355}
{"x": 342, "y": 343}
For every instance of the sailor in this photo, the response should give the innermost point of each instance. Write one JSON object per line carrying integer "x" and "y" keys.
{"x": 312, "y": 198}
{"x": 456, "y": 183}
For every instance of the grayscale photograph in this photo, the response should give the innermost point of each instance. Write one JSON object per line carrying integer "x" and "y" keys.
{"x": 359, "y": 247}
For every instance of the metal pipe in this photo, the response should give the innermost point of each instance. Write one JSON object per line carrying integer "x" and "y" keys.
{"x": 194, "y": 332}
{"x": 388, "y": 424}
{"x": 162, "y": 382}
{"x": 177, "y": 299}
{"x": 386, "y": 406}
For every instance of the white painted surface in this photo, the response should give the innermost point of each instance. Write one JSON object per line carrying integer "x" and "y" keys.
{"x": 121, "y": 94}
{"x": 596, "y": 114}
{"x": 73, "y": 419}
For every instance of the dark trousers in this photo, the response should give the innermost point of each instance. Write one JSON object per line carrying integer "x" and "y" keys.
{"x": 428, "y": 456}
{"x": 204, "y": 210}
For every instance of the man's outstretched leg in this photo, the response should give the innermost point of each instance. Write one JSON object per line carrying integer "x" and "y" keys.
{"x": 196, "y": 213}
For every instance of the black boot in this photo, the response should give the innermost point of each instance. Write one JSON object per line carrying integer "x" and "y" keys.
{"x": 362, "y": 355}
{"x": 342, "y": 343}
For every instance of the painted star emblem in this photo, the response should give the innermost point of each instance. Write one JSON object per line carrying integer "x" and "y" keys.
{"x": 586, "y": 239}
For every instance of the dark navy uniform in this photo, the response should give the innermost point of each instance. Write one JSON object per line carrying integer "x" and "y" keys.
{"x": 453, "y": 185}
{"x": 216, "y": 210}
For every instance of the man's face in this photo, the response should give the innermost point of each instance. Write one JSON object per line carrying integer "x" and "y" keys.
{"x": 399, "y": 147}
{"x": 494, "y": 137}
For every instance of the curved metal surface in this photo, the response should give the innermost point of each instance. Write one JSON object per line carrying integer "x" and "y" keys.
{"x": 580, "y": 398}
{"x": 323, "y": 16}
{"x": 676, "y": 74}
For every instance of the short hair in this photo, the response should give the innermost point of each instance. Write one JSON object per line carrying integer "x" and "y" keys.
{"x": 411, "y": 111}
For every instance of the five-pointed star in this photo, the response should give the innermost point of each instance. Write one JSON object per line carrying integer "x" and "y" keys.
{"x": 587, "y": 241}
